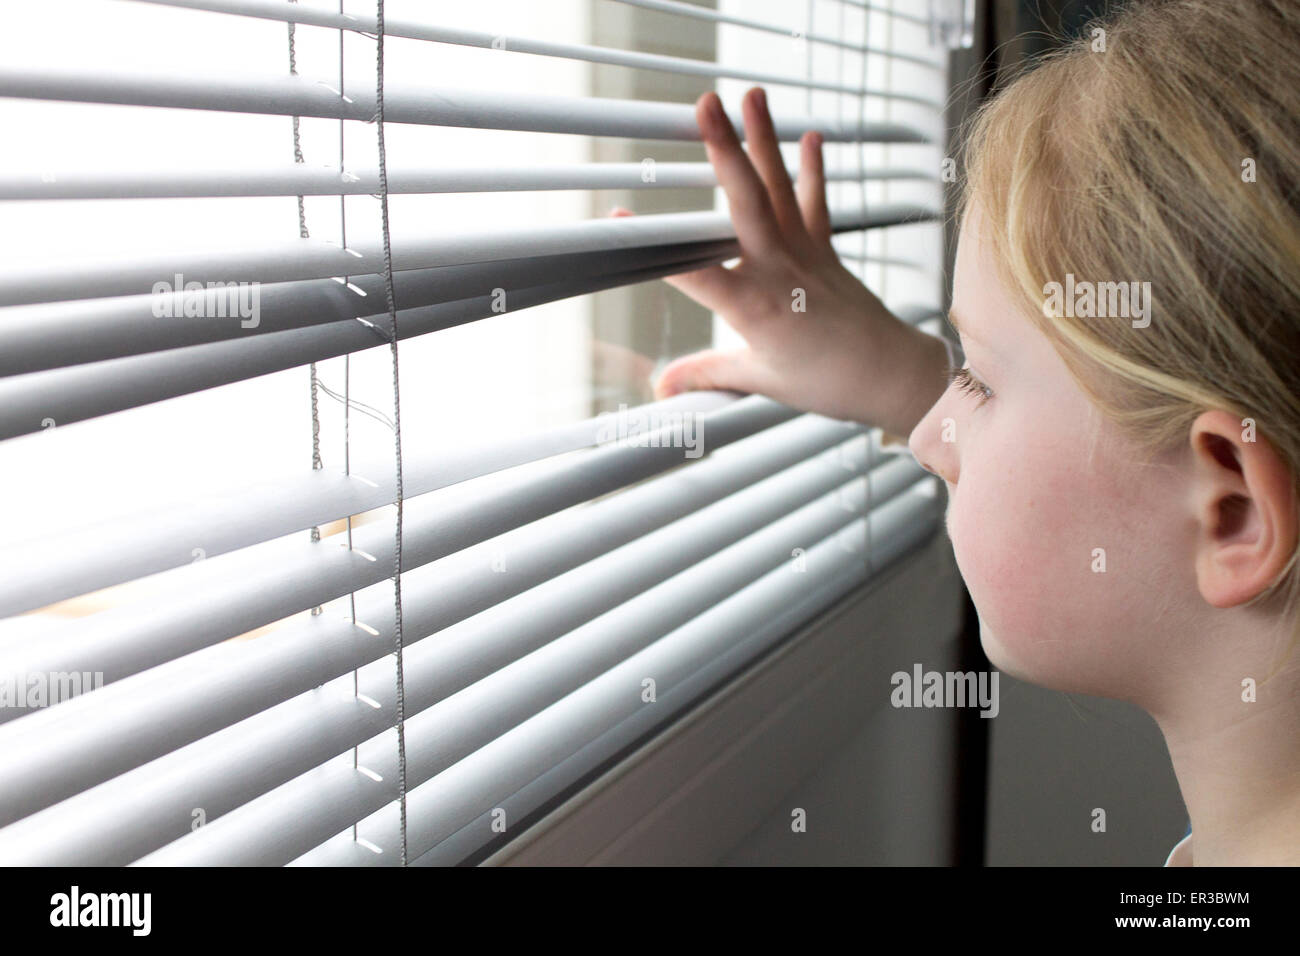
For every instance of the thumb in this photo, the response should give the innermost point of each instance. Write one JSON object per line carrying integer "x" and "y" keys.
{"x": 712, "y": 286}
{"x": 736, "y": 370}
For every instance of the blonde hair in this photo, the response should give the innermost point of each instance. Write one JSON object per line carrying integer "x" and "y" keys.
{"x": 1126, "y": 155}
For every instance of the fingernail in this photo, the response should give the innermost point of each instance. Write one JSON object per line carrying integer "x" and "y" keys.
{"x": 761, "y": 97}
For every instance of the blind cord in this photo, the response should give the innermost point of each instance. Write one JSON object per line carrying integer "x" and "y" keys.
{"x": 347, "y": 360}
{"x": 397, "y": 421}
{"x": 316, "y": 462}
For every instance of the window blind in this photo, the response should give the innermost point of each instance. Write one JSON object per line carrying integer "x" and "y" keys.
{"x": 563, "y": 591}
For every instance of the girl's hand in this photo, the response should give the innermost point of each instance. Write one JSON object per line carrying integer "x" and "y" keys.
{"x": 846, "y": 356}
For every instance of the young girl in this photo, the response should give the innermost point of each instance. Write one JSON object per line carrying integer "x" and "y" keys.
{"x": 1121, "y": 460}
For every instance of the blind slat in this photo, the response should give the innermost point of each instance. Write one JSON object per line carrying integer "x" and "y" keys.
{"x": 299, "y": 179}
{"x": 60, "y": 334}
{"x": 289, "y": 95}
{"x": 683, "y": 66}
{"x": 136, "y": 272}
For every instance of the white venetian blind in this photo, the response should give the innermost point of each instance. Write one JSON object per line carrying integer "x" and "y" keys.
{"x": 209, "y": 519}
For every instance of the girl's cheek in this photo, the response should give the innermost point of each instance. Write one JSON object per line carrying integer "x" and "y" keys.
{"x": 1012, "y": 543}
{"x": 994, "y": 556}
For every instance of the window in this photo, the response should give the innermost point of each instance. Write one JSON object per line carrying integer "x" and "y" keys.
{"x": 198, "y": 654}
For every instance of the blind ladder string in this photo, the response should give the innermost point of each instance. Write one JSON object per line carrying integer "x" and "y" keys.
{"x": 347, "y": 379}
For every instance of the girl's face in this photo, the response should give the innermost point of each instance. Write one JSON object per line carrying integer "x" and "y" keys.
{"x": 1042, "y": 491}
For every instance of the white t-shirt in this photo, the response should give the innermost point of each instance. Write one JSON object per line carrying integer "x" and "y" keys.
{"x": 1181, "y": 854}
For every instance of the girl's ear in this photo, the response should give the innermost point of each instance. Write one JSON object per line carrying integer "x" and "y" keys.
{"x": 1243, "y": 494}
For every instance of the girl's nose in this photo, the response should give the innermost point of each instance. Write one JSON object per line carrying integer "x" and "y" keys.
{"x": 933, "y": 443}
{"x": 926, "y": 467}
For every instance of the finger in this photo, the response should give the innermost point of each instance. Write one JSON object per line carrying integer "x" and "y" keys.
{"x": 812, "y": 187}
{"x": 751, "y": 211}
{"x": 736, "y": 370}
{"x": 614, "y": 364}
{"x": 714, "y": 287}
{"x": 765, "y": 152}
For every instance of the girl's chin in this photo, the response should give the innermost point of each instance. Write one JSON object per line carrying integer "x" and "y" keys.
{"x": 997, "y": 654}
{"x": 1035, "y": 664}
{"x": 1011, "y": 665}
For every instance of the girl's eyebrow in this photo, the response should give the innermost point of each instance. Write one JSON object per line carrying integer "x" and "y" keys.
{"x": 964, "y": 333}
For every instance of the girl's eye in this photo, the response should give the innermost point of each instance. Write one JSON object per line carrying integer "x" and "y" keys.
{"x": 962, "y": 378}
